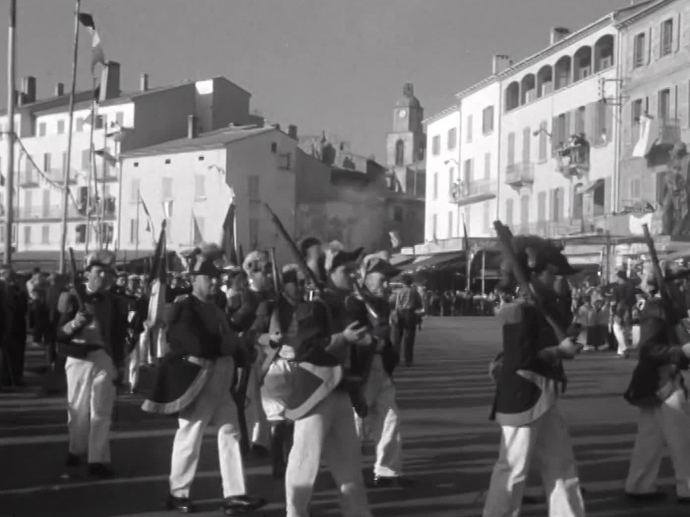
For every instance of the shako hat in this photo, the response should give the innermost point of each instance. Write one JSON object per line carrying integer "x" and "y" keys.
{"x": 334, "y": 258}
{"x": 101, "y": 258}
{"x": 534, "y": 254}
{"x": 379, "y": 263}
{"x": 202, "y": 261}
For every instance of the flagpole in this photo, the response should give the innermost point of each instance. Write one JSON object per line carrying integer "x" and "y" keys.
{"x": 92, "y": 166}
{"x": 104, "y": 242}
{"x": 136, "y": 242}
{"x": 236, "y": 240}
{"x": 68, "y": 159}
{"x": 9, "y": 175}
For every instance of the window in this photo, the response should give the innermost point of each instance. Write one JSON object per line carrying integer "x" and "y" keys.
{"x": 451, "y": 180}
{"x": 487, "y": 215}
{"x": 436, "y": 145}
{"x": 253, "y": 233}
{"x": 46, "y": 163}
{"x": 42, "y": 129}
{"x": 274, "y": 147}
{"x": 556, "y": 205}
{"x": 561, "y": 135}
{"x": 541, "y": 207}
{"x": 133, "y": 231}
{"x": 580, "y": 120}
{"x": 639, "y": 49}
{"x": 636, "y": 115}
{"x": 61, "y": 127}
{"x": 511, "y": 149}
{"x": 254, "y": 188}
{"x": 45, "y": 234}
{"x": 27, "y": 234}
{"x": 399, "y": 153}
{"x": 435, "y": 186}
{"x": 100, "y": 120}
{"x": 452, "y": 138}
{"x": 134, "y": 192}
{"x": 634, "y": 189}
{"x": 85, "y": 159}
{"x": 45, "y": 207}
{"x": 487, "y": 165}
{"x": 166, "y": 189}
{"x": 450, "y": 224}
{"x": 666, "y": 38}
{"x": 434, "y": 226}
{"x": 469, "y": 129}
{"x": 488, "y": 120}
{"x": 524, "y": 211}
{"x": 80, "y": 234}
{"x": 526, "y": 145}
{"x": 28, "y": 201}
{"x": 467, "y": 172}
{"x": 199, "y": 226}
{"x": 398, "y": 214}
{"x": 578, "y": 205}
{"x": 664, "y": 105}
{"x": 80, "y": 124}
{"x": 509, "y": 211}
{"x": 199, "y": 186}
{"x": 543, "y": 130}
{"x": 120, "y": 118}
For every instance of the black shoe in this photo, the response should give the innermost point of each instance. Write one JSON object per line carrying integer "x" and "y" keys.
{"x": 259, "y": 451}
{"x": 242, "y": 504}
{"x": 100, "y": 470}
{"x": 181, "y": 504}
{"x": 72, "y": 460}
{"x": 651, "y": 497}
{"x": 392, "y": 482}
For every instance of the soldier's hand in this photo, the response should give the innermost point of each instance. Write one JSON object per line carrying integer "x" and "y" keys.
{"x": 354, "y": 332}
{"x": 81, "y": 320}
{"x": 569, "y": 348}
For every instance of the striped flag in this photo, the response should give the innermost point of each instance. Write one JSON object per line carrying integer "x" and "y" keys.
{"x": 228, "y": 244}
{"x": 97, "y": 54}
{"x": 149, "y": 222}
{"x": 197, "y": 237}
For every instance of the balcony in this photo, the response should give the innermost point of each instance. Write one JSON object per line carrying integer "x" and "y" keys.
{"x": 573, "y": 161}
{"x": 520, "y": 175}
{"x": 474, "y": 191}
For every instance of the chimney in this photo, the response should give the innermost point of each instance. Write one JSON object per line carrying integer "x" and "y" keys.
{"x": 19, "y": 98}
{"x": 59, "y": 89}
{"x": 144, "y": 82}
{"x": 29, "y": 89}
{"x": 559, "y": 33}
{"x": 110, "y": 81}
{"x": 292, "y": 131}
{"x": 276, "y": 126}
{"x": 501, "y": 62}
{"x": 191, "y": 127}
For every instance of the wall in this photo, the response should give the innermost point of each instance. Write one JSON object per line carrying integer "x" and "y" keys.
{"x": 645, "y": 82}
{"x": 583, "y": 93}
{"x": 313, "y": 179}
{"x": 438, "y": 203}
{"x": 479, "y": 216}
{"x": 230, "y": 104}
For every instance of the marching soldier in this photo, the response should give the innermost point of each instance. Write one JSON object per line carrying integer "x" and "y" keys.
{"x": 658, "y": 389}
{"x": 322, "y": 411}
{"x": 201, "y": 364}
{"x": 92, "y": 333}
{"x": 528, "y": 386}
{"x": 383, "y": 420}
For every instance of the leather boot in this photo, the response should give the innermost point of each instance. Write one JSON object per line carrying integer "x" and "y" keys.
{"x": 281, "y": 437}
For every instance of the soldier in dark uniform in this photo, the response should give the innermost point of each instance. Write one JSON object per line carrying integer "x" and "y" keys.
{"x": 528, "y": 386}
{"x": 658, "y": 389}
{"x": 199, "y": 333}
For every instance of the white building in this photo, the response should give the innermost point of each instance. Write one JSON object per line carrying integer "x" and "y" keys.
{"x": 192, "y": 178}
{"x": 148, "y": 116}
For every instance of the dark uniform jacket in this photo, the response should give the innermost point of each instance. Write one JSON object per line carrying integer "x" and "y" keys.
{"x": 525, "y": 334}
{"x": 660, "y": 355}
{"x": 110, "y": 313}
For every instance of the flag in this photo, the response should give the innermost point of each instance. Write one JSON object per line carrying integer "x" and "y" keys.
{"x": 228, "y": 244}
{"x": 649, "y": 132}
{"x": 157, "y": 287}
{"x": 197, "y": 237}
{"x": 168, "y": 208}
{"x": 97, "y": 54}
{"x": 395, "y": 239}
{"x": 149, "y": 222}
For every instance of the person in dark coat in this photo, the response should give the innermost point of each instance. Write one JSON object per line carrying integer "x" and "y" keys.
{"x": 18, "y": 304}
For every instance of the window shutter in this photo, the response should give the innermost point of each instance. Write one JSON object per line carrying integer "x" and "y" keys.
{"x": 567, "y": 128}
{"x": 561, "y": 204}
{"x": 676, "y": 32}
{"x": 654, "y": 43}
{"x": 607, "y": 195}
{"x": 591, "y": 121}
{"x": 683, "y": 104}
{"x": 626, "y": 123}
{"x": 672, "y": 102}
{"x": 554, "y": 135}
{"x": 608, "y": 110}
{"x": 630, "y": 56}
{"x": 541, "y": 206}
{"x": 684, "y": 33}
{"x": 526, "y": 144}
{"x": 652, "y": 104}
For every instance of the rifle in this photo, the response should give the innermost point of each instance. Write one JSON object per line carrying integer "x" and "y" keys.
{"x": 666, "y": 299}
{"x": 78, "y": 288}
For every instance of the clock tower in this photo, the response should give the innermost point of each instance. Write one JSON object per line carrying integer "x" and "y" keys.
{"x": 405, "y": 144}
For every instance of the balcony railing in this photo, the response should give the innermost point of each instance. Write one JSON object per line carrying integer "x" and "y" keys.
{"x": 573, "y": 161}
{"x": 520, "y": 174}
{"x": 474, "y": 191}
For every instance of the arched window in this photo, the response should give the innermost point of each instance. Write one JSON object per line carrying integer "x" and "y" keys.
{"x": 399, "y": 153}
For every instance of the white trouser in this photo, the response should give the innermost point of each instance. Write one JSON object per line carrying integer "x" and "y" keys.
{"x": 621, "y": 334}
{"x": 91, "y": 396}
{"x": 329, "y": 430}
{"x": 383, "y": 423}
{"x": 214, "y": 406}
{"x": 257, "y": 424}
{"x": 547, "y": 441}
{"x": 668, "y": 423}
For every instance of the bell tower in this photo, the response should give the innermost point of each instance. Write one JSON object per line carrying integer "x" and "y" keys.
{"x": 405, "y": 144}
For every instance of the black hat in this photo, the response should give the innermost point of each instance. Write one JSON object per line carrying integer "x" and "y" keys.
{"x": 534, "y": 254}
{"x": 307, "y": 243}
{"x": 379, "y": 263}
{"x": 336, "y": 258}
{"x": 203, "y": 261}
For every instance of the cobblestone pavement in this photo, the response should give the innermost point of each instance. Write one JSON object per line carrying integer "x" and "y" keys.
{"x": 450, "y": 445}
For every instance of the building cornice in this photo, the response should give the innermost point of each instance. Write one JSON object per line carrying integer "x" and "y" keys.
{"x": 650, "y": 9}
{"x": 433, "y": 118}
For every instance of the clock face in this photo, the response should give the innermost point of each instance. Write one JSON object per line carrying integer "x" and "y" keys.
{"x": 402, "y": 113}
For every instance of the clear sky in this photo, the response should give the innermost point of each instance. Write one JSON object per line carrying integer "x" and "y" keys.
{"x": 337, "y": 65}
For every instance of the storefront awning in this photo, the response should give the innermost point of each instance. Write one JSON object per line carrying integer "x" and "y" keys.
{"x": 434, "y": 260}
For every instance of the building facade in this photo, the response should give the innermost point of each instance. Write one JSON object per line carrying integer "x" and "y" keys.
{"x": 123, "y": 121}
{"x": 190, "y": 183}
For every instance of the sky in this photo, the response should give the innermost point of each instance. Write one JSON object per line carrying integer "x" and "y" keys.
{"x": 333, "y": 65}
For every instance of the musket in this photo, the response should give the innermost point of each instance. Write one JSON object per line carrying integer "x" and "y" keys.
{"x": 74, "y": 277}
{"x": 666, "y": 298}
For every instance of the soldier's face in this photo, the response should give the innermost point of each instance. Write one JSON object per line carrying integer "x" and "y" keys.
{"x": 377, "y": 283}
{"x": 97, "y": 278}
{"x": 342, "y": 276}
{"x": 203, "y": 286}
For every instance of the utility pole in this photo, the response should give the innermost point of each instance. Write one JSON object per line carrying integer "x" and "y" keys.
{"x": 9, "y": 175}
{"x": 68, "y": 158}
